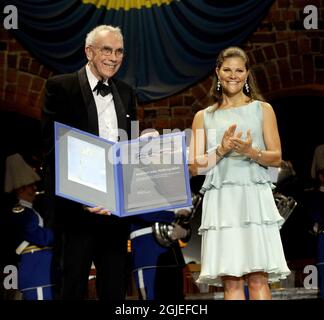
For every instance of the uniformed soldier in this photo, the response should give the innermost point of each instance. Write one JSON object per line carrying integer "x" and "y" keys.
{"x": 317, "y": 215}
{"x": 33, "y": 240}
{"x": 157, "y": 259}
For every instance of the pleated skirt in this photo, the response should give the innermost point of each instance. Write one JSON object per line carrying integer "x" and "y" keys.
{"x": 240, "y": 234}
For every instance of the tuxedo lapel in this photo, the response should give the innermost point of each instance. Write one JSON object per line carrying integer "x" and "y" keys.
{"x": 119, "y": 107}
{"x": 89, "y": 102}
{"x": 91, "y": 105}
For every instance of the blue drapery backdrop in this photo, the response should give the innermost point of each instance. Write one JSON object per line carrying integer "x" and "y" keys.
{"x": 170, "y": 44}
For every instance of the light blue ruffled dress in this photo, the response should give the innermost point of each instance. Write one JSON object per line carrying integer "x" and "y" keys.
{"x": 240, "y": 221}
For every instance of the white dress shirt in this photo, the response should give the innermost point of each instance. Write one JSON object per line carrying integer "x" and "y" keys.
{"x": 107, "y": 118}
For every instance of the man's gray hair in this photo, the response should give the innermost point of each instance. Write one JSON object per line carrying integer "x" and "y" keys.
{"x": 92, "y": 35}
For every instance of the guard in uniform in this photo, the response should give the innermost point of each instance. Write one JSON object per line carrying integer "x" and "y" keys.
{"x": 157, "y": 259}
{"x": 317, "y": 211}
{"x": 156, "y": 265}
{"x": 317, "y": 214}
{"x": 33, "y": 240}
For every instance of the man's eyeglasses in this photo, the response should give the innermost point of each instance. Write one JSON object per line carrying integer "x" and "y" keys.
{"x": 107, "y": 51}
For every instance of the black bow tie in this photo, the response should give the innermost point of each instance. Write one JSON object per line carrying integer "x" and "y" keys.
{"x": 102, "y": 88}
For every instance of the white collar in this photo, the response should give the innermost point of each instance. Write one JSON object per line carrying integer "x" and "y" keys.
{"x": 92, "y": 79}
{"x": 26, "y": 204}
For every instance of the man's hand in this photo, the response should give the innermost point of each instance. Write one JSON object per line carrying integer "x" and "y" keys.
{"x": 183, "y": 213}
{"x": 149, "y": 133}
{"x": 178, "y": 232}
{"x": 98, "y": 210}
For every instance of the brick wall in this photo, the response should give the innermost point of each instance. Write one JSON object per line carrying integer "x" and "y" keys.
{"x": 22, "y": 78}
{"x": 287, "y": 59}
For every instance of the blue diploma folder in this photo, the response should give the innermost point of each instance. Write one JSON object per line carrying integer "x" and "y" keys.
{"x": 128, "y": 177}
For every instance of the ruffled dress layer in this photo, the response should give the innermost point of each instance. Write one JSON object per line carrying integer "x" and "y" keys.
{"x": 240, "y": 221}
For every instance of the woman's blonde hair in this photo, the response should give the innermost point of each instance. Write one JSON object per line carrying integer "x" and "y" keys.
{"x": 216, "y": 96}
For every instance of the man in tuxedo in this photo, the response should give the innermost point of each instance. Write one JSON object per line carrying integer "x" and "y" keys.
{"x": 93, "y": 101}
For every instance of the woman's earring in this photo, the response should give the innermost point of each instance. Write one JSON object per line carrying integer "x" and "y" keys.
{"x": 218, "y": 85}
{"x": 247, "y": 88}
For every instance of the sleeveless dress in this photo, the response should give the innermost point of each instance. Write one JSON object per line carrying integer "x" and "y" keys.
{"x": 240, "y": 221}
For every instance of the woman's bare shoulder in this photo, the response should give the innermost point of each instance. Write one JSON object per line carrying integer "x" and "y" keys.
{"x": 200, "y": 114}
{"x": 266, "y": 106}
{"x": 199, "y": 117}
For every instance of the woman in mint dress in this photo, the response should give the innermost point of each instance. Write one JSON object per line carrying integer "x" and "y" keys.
{"x": 233, "y": 142}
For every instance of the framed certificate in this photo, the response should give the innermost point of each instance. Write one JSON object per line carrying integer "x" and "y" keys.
{"x": 127, "y": 178}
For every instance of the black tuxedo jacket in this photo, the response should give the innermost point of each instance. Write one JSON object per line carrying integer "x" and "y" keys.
{"x": 69, "y": 100}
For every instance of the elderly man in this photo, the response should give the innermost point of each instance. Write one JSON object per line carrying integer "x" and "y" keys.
{"x": 93, "y": 101}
